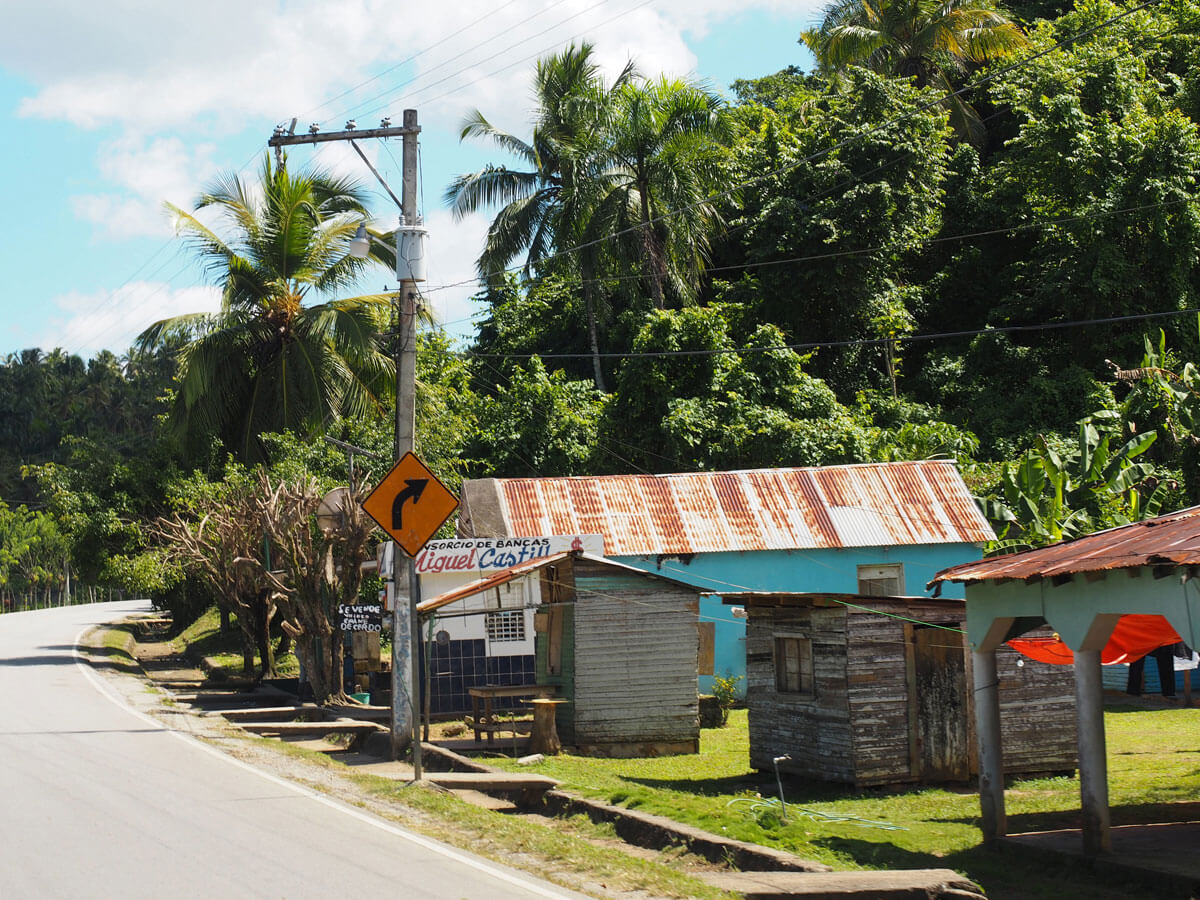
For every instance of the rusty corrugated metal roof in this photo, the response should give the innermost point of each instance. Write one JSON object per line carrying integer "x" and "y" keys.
{"x": 762, "y": 509}
{"x": 1170, "y": 540}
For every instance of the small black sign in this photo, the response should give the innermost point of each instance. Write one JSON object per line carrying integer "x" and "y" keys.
{"x": 360, "y": 617}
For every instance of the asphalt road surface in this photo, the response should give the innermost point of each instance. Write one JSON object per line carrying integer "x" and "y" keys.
{"x": 97, "y": 800}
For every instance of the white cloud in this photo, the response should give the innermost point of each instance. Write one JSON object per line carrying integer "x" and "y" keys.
{"x": 148, "y": 67}
{"x": 453, "y": 249}
{"x": 84, "y": 323}
{"x": 177, "y": 92}
{"x": 147, "y": 172}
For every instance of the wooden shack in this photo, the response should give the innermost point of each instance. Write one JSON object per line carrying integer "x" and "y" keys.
{"x": 621, "y": 646}
{"x": 873, "y": 690}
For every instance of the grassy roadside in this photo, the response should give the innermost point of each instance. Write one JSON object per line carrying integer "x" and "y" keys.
{"x": 562, "y": 852}
{"x": 1154, "y": 759}
{"x": 203, "y": 640}
{"x": 112, "y": 647}
{"x": 574, "y": 853}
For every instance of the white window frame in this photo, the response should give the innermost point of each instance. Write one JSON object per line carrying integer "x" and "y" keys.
{"x": 878, "y": 573}
{"x": 506, "y": 626}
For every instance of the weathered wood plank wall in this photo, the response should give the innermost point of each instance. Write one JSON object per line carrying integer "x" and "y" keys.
{"x": 879, "y": 703}
{"x": 636, "y": 649}
{"x": 857, "y": 726}
{"x": 814, "y": 731}
{"x": 1037, "y": 713}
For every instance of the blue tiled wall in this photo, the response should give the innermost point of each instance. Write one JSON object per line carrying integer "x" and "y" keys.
{"x": 461, "y": 665}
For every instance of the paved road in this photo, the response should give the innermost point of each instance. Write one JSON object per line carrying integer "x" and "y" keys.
{"x": 97, "y": 800}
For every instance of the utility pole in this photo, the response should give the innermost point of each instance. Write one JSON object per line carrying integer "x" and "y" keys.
{"x": 405, "y": 630}
{"x": 410, "y": 268}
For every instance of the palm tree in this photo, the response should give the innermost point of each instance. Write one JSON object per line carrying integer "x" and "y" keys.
{"x": 544, "y": 207}
{"x": 932, "y": 41}
{"x": 267, "y": 361}
{"x": 664, "y": 165}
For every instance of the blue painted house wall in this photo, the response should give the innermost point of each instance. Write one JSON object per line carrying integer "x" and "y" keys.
{"x": 817, "y": 570}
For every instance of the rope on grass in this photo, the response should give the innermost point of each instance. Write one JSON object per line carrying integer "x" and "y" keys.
{"x": 755, "y": 804}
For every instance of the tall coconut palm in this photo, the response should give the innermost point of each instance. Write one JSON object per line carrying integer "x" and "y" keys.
{"x": 663, "y": 166}
{"x": 933, "y": 41}
{"x": 269, "y": 361}
{"x": 544, "y": 207}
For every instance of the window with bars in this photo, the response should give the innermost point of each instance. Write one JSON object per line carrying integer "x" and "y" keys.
{"x": 881, "y": 581}
{"x": 794, "y": 666}
{"x": 506, "y": 626}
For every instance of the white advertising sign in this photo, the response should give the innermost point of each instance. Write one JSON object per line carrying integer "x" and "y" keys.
{"x": 485, "y": 555}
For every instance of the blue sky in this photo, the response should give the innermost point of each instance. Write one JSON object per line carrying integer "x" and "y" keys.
{"x": 112, "y": 108}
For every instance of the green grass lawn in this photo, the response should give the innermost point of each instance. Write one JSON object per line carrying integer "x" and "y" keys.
{"x": 1154, "y": 761}
{"x": 203, "y": 639}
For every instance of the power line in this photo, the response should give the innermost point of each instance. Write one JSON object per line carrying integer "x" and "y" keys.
{"x": 490, "y": 14}
{"x": 577, "y": 36}
{"x": 758, "y": 178}
{"x": 395, "y": 92}
{"x": 818, "y": 154}
{"x": 816, "y": 345}
{"x": 112, "y": 295}
{"x": 880, "y": 248}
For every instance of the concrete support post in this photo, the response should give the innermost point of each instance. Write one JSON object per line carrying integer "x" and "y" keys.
{"x": 1093, "y": 761}
{"x": 991, "y": 759}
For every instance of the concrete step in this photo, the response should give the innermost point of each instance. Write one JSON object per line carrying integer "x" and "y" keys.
{"x": 491, "y": 781}
{"x": 362, "y": 713}
{"x": 273, "y": 714}
{"x": 900, "y": 884}
{"x": 333, "y": 726}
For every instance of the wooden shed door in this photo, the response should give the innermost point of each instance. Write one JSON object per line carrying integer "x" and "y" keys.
{"x": 937, "y": 704}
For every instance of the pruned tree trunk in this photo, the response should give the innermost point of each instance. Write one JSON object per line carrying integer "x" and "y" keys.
{"x": 589, "y": 303}
{"x": 263, "y": 611}
{"x": 650, "y": 251}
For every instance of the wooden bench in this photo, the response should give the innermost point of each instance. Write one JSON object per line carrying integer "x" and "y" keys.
{"x": 484, "y": 721}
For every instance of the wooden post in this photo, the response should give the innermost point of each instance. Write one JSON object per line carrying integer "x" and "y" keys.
{"x": 991, "y": 759}
{"x": 1093, "y": 763}
{"x": 544, "y": 737}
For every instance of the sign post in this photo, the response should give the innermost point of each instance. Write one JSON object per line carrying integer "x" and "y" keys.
{"x": 410, "y": 504}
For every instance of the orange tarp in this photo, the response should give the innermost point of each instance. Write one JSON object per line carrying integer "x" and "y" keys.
{"x": 1133, "y": 638}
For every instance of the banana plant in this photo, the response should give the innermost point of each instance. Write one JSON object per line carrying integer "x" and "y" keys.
{"x": 1050, "y": 495}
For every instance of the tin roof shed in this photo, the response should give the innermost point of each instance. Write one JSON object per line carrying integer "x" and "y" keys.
{"x": 1081, "y": 589}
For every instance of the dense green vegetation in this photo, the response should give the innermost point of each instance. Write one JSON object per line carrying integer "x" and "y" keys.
{"x": 821, "y": 268}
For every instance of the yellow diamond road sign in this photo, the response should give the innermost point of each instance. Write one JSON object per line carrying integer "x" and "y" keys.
{"x": 410, "y": 504}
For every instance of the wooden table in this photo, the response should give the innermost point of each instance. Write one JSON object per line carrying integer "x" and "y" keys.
{"x": 484, "y": 695}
